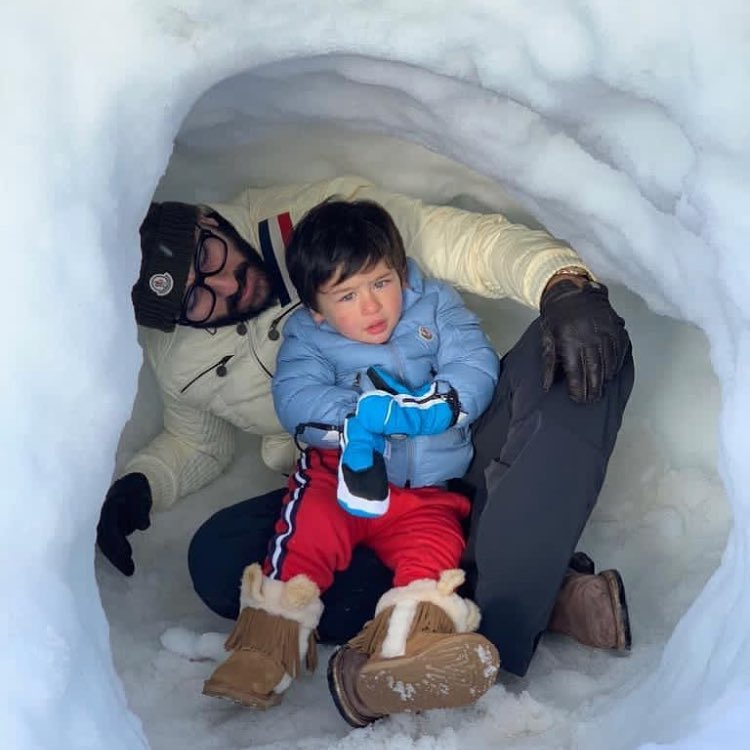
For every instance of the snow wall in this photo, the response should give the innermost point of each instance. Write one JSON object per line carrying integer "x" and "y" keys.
{"x": 96, "y": 95}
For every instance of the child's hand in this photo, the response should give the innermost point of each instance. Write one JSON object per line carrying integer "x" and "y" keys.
{"x": 363, "y": 479}
{"x": 395, "y": 410}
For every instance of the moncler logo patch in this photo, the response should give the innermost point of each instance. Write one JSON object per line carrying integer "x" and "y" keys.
{"x": 425, "y": 333}
{"x": 161, "y": 284}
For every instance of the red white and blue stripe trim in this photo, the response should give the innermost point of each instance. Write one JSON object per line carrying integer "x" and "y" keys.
{"x": 274, "y": 235}
{"x": 293, "y": 500}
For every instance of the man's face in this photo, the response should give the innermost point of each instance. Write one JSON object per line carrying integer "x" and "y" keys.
{"x": 365, "y": 307}
{"x": 241, "y": 289}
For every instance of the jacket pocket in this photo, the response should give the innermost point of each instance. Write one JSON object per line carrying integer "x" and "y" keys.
{"x": 219, "y": 367}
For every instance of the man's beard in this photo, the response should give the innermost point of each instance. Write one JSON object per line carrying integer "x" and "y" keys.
{"x": 261, "y": 297}
{"x": 260, "y": 302}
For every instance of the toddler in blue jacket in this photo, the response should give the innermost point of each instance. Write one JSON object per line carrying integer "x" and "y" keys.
{"x": 380, "y": 376}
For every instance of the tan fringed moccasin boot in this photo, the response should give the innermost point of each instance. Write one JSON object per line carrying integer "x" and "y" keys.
{"x": 419, "y": 652}
{"x": 274, "y": 633}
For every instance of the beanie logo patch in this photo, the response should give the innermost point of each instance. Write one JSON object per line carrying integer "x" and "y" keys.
{"x": 161, "y": 284}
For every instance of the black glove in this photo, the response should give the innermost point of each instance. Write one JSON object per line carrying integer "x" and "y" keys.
{"x": 583, "y": 335}
{"x": 125, "y": 509}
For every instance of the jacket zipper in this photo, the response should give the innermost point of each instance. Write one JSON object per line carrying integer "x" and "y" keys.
{"x": 273, "y": 335}
{"x": 260, "y": 364}
{"x": 409, "y": 447}
{"x": 215, "y": 366}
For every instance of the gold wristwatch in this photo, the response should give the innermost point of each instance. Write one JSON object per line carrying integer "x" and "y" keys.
{"x": 573, "y": 271}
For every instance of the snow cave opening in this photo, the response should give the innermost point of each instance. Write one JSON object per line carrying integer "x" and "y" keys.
{"x": 305, "y": 119}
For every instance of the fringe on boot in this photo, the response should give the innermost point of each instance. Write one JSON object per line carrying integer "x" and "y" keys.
{"x": 428, "y": 618}
{"x": 277, "y": 637}
{"x": 296, "y": 600}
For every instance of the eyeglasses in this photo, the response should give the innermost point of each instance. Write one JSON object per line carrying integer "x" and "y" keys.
{"x": 210, "y": 258}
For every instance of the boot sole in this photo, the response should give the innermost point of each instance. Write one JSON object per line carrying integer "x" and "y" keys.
{"x": 624, "y": 640}
{"x": 339, "y": 690}
{"x": 249, "y": 700}
{"x": 450, "y": 673}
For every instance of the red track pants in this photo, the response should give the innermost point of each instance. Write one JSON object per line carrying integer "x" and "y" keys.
{"x": 419, "y": 537}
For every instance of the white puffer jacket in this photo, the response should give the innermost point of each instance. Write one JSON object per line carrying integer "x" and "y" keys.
{"x": 212, "y": 383}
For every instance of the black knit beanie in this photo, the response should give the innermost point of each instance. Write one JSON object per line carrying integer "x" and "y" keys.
{"x": 167, "y": 249}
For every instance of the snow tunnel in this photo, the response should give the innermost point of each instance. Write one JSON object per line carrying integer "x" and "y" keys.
{"x": 621, "y": 142}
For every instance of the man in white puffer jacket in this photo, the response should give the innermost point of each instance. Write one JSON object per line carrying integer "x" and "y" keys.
{"x": 212, "y": 299}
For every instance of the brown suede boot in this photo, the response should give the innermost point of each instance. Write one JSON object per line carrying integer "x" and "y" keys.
{"x": 273, "y": 634}
{"x": 343, "y": 670}
{"x": 593, "y": 610}
{"x": 419, "y": 653}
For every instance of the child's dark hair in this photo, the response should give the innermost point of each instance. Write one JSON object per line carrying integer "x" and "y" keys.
{"x": 341, "y": 238}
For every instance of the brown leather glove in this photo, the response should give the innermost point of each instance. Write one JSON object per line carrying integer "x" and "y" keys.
{"x": 582, "y": 337}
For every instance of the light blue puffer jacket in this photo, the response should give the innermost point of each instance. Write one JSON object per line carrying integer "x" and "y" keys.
{"x": 321, "y": 374}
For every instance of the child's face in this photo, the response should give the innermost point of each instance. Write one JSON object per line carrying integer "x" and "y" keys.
{"x": 366, "y": 307}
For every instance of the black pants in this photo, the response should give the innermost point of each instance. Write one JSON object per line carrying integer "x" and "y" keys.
{"x": 539, "y": 464}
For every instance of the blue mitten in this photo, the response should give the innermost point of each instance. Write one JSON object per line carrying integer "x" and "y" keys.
{"x": 363, "y": 479}
{"x": 393, "y": 409}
